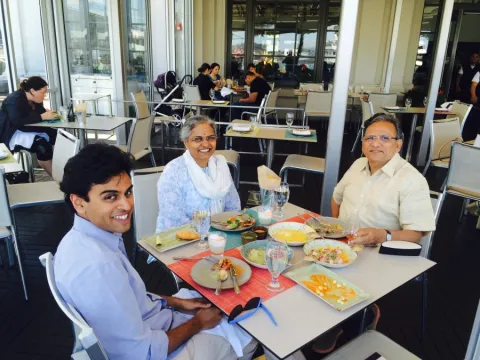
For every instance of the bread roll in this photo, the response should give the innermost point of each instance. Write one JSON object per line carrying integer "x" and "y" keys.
{"x": 187, "y": 235}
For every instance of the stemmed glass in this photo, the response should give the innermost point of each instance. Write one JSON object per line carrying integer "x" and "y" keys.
{"x": 201, "y": 224}
{"x": 280, "y": 195}
{"x": 425, "y": 101}
{"x": 212, "y": 94}
{"x": 362, "y": 89}
{"x": 276, "y": 256}
{"x": 353, "y": 227}
{"x": 289, "y": 119}
{"x": 408, "y": 103}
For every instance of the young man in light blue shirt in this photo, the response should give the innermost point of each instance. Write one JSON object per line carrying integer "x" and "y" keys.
{"x": 93, "y": 274}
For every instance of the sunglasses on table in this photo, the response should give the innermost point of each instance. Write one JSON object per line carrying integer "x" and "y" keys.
{"x": 252, "y": 304}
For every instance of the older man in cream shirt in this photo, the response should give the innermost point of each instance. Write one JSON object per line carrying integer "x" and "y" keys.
{"x": 385, "y": 196}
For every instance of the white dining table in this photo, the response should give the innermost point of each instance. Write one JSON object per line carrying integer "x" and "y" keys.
{"x": 10, "y": 167}
{"x": 302, "y": 316}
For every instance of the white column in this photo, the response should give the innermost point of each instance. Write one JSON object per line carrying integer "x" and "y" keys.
{"x": 393, "y": 45}
{"x": 435, "y": 77}
{"x": 348, "y": 23}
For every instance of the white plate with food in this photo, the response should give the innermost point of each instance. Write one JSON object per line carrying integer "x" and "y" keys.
{"x": 232, "y": 221}
{"x": 178, "y": 100}
{"x": 292, "y": 233}
{"x": 329, "y": 253}
{"x": 172, "y": 238}
{"x": 300, "y": 132}
{"x": 242, "y": 128}
{"x": 207, "y": 274}
{"x": 218, "y": 102}
{"x": 254, "y": 253}
{"x": 328, "y": 227}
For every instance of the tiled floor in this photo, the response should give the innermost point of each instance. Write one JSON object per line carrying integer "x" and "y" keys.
{"x": 36, "y": 329}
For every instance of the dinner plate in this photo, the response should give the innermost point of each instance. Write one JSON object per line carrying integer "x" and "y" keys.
{"x": 302, "y": 132}
{"x": 314, "y": 223}
{"x": 318, "y": 244}
{"x": 293, "y": 226}
{"x": 169, "y": 238}
{"x": 223, "y": 217}
{"x": 3, "y": 155}
{"x": 241, "y": 128}
{"x": 218, "y": 101}
{"x": 177, "y": 100}
{"x": 203, "y": 274}
{"x": 260, "y": 244}
{"x": 441, "y": 109}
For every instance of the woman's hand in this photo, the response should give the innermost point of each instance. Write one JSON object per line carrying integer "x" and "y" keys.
{"x": 49, "y": 115}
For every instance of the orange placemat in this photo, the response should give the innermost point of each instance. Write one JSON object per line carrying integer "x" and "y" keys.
{"x": 256, "y": 286}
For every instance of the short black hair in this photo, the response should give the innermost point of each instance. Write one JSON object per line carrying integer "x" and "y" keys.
{"x": 251, "y": 65}
{"x": 214, "y": 65}
{"x": 250, "y": 74}
{"x": 387, "y": 118}
{"x": 94, "y": 164}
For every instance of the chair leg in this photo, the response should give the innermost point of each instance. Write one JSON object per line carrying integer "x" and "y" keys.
{"x": 152, "y": 158}
{"x": 424, "y": 304}
{"x": 427, "y": 165}
{"x": 17, "y": 250}
{"x": 362, "y": 322}
{"x": 276, "y": 117}
{"x": 357, "y": 139}
{"x": 10, "y": 251}
{"x": 462, "y": 211}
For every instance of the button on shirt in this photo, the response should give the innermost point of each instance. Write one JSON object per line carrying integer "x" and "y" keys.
{"x": 396, "y": 197}
{"x": 94, "y": 275}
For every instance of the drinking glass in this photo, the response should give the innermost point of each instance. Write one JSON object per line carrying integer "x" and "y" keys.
{"x": 235, "y": 83}
{"x": 425, "y": 101}
{"x": 64, "y": 113}
{"x": 408, "y": 103}
{"x": 281, "y": 195}
{"x": 253, "y": 121}
{"x": 212, "y": 94}
{"x": 290, "y": 118}
{"x": 216, "y": 242}
{"x": 201, "y": 223}
{"x": 362, "y": 88}
{"x": 350, "y": 90}
{"x": 276, "y": 256}
{"x": 353, "y": 224}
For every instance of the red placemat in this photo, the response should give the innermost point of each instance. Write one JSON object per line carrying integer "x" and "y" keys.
{"x": 256, "y": 286}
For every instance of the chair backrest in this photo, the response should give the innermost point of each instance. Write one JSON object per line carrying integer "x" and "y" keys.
{"x": 426, "y": 242}
{"x": 191, "y": 92}
{"x": 464, "y": 172}
{"x": 66, "y": 147}
{"x": 272, "y": 85}
{"x": 5, "y": 214}
{"x": 311, "y": 86}
{"x": 272, "y": 99}
{"x": 86, "y": 337}
{"x": 379, "y": 100}
{"x": 473, "y": 350}
{"x": 367, "y": 110}
{"x": 141, "y": 106}
{"x": 320, "y": 101}
{"x": 140, "y": 135}
{"x": 146, "y": 201}
{"x": 461, "y": 111}
{"x": 443, "y": 133}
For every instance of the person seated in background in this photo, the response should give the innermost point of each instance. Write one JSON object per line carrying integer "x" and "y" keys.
{"x": 24, "y": 107}
{"x": 384, "y": 195}
{"x": 253, "y": 69}
{"x": 204, "y": 82}
{"x": 197, "y": 180}
{"x": 217, "y": 79}
{"x": 259, "y": 88}
{"x": 417, "y": 93}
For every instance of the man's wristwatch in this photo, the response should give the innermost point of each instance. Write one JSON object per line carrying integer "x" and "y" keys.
{"x": 389, "y": 235}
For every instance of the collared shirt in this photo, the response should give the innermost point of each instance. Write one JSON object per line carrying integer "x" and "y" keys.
{"x": 395, "y": 197}
{"x": 178, "y": 198}
{"x": 93, "y": 274}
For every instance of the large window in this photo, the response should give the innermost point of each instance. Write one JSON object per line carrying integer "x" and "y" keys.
{"x": 239, "y": 22}
{"x": 88, "y": 43}
{"x": 136, "y": 21}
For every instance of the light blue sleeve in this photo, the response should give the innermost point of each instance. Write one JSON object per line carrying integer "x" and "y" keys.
{"x": 171, "y": 208}
{"x": 104, "y": 297}
{"x": 232, "y": 200}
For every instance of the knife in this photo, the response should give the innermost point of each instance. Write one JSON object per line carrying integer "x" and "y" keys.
{"x": 234, "y": 279}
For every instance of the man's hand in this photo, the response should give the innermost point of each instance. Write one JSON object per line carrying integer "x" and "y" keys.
{"x": 369, "y": 236}
{"x": 208, "y": 318}
{"x": 474, "y": 99}
{"x": 190, "y": 306}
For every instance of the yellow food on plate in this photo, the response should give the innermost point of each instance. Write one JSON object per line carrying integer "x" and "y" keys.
{"x": 329, "y": 289}
{"x": 290, "y": 235}
{"x": 187, "y": 235}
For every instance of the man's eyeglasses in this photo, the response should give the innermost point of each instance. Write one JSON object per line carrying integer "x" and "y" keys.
{"x": 199, "y": 139}
{"x": 382, "y": 138}
{"x": 252, "y": 304}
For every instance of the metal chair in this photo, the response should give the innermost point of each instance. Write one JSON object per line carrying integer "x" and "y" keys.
{"x": 271, "y": 104}
{"x": 367, "y": 113}
{"x": 318, "y": 105}
{"x": 141, "y": 106}
{"x": 258, "y": 116}
{"x": 311, "y": 86}
{"x": 66, "y": 147}
{"x": 139, "y": 139}
{"x": 473, "y": 350}
{"x": 86, "y": 346}
{"x": 233, "y": 161}
{"x": 461, "y": 111}
{"x": 444, "y": 133}
{"x": 303, "y": 163}
{"x": 380, "y": 100}
{"x": 368, "y": 343}
{"x": 272, "y": 84}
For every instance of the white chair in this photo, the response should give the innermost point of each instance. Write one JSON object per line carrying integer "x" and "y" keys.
{"x": 367, "y": 113}
{"x": 380, "y": 100}
{"x": 272, "y": 85}
{"x": 233, "y": 161}
{"x": 66, "y": 147}
{"x": 139, "y": 139}
{"x": 7, "y": 229}
{"x": 461, "y": 111}
{"x": 311, "y": 86}
{"x": 318, "y": 105}
{"x": 443, "y": 134}
{"x": 303, "y": 163}
{"x": 87, "y": 346}
{"x": 270, "y": 105}
{"x": 191, "y": 92}
{"x": 141, "y": 106}
{"x": 473, "y": 350}
{"x": 258, "y": 117}
{"x": 367, "y": 344}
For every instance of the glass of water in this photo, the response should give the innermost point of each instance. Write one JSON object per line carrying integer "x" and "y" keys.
{"x": 280, "y": 195}
{"x": 212, "y": 94}
{"x": 408, "y": 103}
{"x": 201, "y": 224}
{"x": 362, "y": 89}
{"x": 290, "y": 117}
{"x": 276, "y": 256}
{"x": 425, "y": 101}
